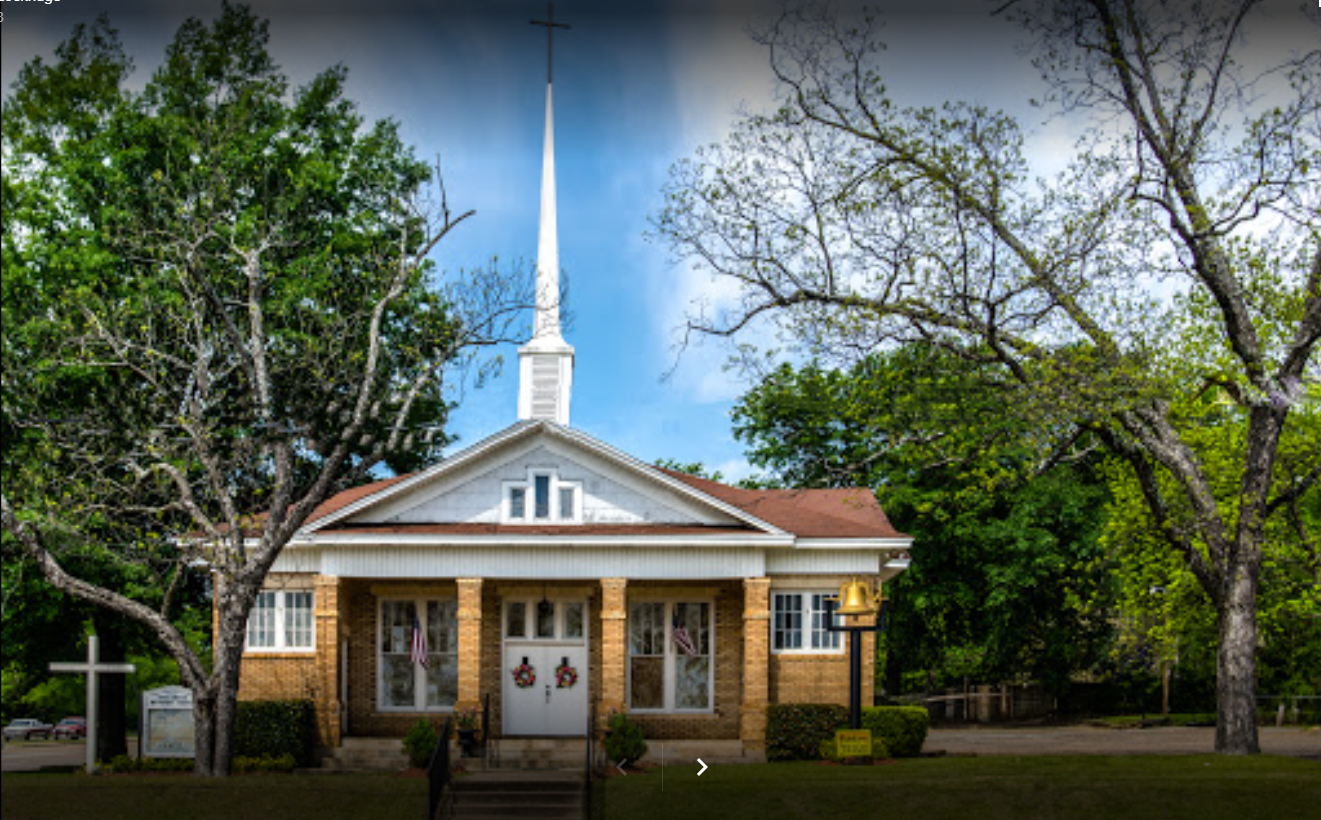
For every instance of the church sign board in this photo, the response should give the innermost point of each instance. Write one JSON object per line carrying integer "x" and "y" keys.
{"x": 167, "y": 722}
{"x": 853, "y": 742}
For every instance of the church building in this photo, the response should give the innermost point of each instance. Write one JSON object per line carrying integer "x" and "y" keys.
{"x": 548, "y": 574}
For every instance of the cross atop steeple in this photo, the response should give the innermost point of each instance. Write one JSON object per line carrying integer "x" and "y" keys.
{"x": 550, "y": 25}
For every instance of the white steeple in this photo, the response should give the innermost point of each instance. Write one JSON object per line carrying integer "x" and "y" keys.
{"x": 545, "y": 363}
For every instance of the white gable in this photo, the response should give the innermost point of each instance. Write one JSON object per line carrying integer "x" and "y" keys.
{"x": 612, "y": 493}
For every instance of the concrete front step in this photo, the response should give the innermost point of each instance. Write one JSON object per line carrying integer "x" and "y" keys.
{"x": 519, "y": 754}
{"x": 367, "y": 754}
{"x": 505, "y": 795}
{"x": 567, "y": 754}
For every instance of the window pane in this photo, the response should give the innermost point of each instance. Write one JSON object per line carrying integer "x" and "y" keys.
{"x": 692, "y": 677}
{"x": 821, "y": 638}
{"x": 788, "y": 622}
{"x": 566, "y": 503}
{"x": 442, "y": 627}
{"x": 397, "y": 627}
{"x": 573, "y": 620}
{"x": 647, "y": 629}
{"x": 442, "y": 680}
{"x": 518, "y": 503}
{"x": 397, "y": 682}
{"x": 298, "y": 619}
{"x": 541, "y": 484}
{"x": 261, "y": 621}
{"x": 696, "y": 621}
{"x": 546, "y": 619}
{"x": 646, "y": 683}
{"x": 516, "y": 620}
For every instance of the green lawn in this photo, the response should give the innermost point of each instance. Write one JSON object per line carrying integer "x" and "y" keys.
{"x": 983, "y": 788}
{"x": 184, "y": 797}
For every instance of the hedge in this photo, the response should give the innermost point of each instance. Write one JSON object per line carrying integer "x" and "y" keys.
{"x": 794, "y": 731}
{"x": 274, "y": 729}
{"x": 904, "y": 728}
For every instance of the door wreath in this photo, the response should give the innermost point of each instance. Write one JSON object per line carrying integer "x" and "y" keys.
{"x": 524, "y": 676}
{"x": 565, "y": 676}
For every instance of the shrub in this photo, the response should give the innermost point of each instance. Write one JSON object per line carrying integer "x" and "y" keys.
{"x": 120, "y": 764}
{"x": 830, "y": 751}
{"x": 903, "y": 728}
{"x": 274, "y": 728}
{"x": 794, "y": 731}
{"x": 420, "y": 743}
{"x": 625, "y": 740}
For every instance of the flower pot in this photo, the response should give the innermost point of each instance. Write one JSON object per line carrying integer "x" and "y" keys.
{"x": 467, "y": 742}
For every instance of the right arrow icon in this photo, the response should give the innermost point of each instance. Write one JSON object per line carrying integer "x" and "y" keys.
{"x": 699, "y": 773}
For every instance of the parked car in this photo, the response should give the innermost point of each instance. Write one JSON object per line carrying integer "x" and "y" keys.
{"x": 26, "y": 729}
{"x": 71, "y": 727}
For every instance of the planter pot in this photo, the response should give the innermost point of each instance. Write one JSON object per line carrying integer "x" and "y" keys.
{"x": 467, "y": 742}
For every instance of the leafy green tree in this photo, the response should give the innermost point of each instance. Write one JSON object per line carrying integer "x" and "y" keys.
{"x": 848, "y": 221}
{"x": 218, "y": 310}
{"x": 1008, "y": 576}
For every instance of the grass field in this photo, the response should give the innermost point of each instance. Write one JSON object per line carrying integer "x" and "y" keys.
{"x": 982, "y": 788}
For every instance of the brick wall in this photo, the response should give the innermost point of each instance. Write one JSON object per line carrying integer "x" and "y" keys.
{"x": 821, "y": 678}
{"x": 279, "y": 676}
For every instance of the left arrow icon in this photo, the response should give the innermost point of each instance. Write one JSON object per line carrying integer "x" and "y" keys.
{"x": 620, "y": 766}
{"x": 699, "y": 773}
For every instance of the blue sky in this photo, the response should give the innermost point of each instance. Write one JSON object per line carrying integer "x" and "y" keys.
{"x": 638, "y": 86}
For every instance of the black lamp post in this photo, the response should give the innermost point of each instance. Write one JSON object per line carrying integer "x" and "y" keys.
{"x": 856, "y": 599}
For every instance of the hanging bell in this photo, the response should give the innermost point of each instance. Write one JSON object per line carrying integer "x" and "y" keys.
{"x": 855, "y": 598}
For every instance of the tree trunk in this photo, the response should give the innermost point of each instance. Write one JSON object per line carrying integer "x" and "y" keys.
{"x": 228, "y": 655}
{"x": 226, "y": 714}
{"x": 1236, "y": 664}
{"x": 204, "y": 724}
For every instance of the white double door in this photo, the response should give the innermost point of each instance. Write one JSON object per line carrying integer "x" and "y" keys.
{"x": 546, "y": 698}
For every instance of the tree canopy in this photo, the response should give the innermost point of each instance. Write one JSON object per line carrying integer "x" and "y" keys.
{"x": 218, "y": 310}
{"x": 851, "y": 222}
{"x": 1008, "y": 575}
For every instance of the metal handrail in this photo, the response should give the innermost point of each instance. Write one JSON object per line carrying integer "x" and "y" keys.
{"x": 590, "y": 763}
{"x": 486, "y": 726}
{"x": 438, "y": 771}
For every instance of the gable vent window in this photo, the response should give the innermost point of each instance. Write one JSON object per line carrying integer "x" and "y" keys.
{"x": 543, "y": 498}
{"x": 542, "y": 483}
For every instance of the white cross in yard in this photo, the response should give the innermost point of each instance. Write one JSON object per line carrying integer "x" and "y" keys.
{"x": 91, "y": 669}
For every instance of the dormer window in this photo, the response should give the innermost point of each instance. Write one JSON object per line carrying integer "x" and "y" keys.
{"x": 544, "y": 498}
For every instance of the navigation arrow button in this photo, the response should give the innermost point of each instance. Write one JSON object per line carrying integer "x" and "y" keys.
{"x": 704, "y": 767}
{"x": 620, "y": 766}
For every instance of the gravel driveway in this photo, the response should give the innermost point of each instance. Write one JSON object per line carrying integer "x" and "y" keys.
{"x": 1089, "y": 740}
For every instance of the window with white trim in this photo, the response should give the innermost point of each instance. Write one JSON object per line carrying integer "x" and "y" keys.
{"x": 281, "y": 620}
{"x": 671, "y": 646}
{"x": 543, "y": 498}
{"x": 404, "y": 684}
{"x": 798, "y": 623}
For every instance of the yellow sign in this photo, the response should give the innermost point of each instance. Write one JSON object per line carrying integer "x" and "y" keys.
{"x": 853, "y": 742}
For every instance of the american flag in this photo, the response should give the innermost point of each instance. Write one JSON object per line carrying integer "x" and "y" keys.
{"x": 681, "y": 637}
{"x": 419, "y": 644}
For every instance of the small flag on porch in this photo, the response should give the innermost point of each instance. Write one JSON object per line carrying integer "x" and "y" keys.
{"x": 681, "y": 637}
{"x": 419, "y": 644}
